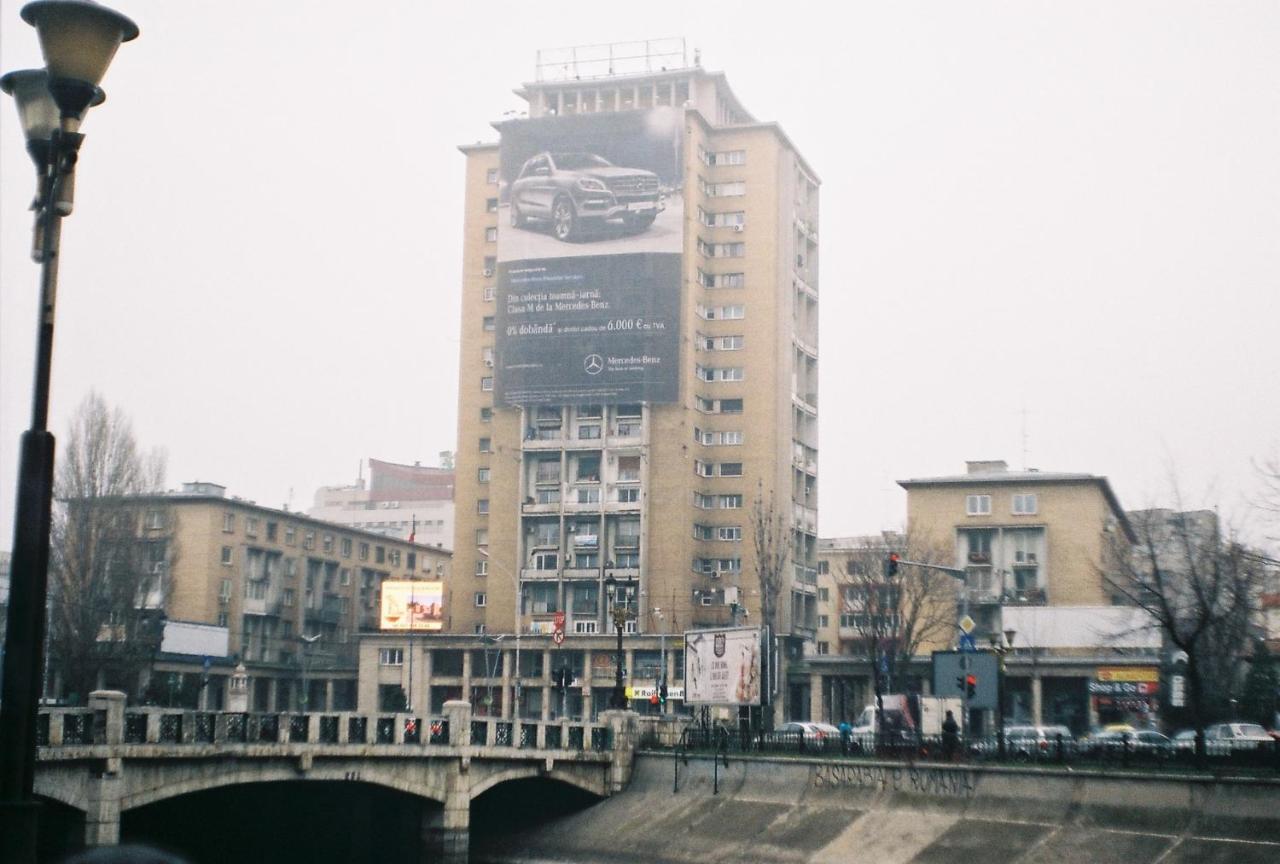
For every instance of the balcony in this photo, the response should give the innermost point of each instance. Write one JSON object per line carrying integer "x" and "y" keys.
{"x": 1027, "y": 597}
{"x": 805, "y": 518}
{"x": 541, "y": 438}
{"x": 981, "y": 596}
{"x": 806, "y": 575}
{"x": 539, "y": 575}
{"x": 624, "y": 574}
{"x": 582, "y": 573}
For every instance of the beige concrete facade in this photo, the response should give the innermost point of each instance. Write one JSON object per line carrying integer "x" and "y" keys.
{"x": 272, "y": 577}
{"x": 690, "y": 566}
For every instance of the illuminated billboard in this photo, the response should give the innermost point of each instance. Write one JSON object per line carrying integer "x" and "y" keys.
{"x": 591, "y": 231}
{"x": 412, "y": 605}
{"x": 722, "y": 667}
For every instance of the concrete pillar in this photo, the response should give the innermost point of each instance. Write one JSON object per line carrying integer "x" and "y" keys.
{"x": 1037, "y": 700}
{"x": 466, "y": 677}
{"x": 817, "y": 687}
{"x": 105, "y": 786}
{"x": 624, "y": 731}
{"x": 108, "y": 716}
{"x": 458, "y": 713}
{"x": 508, "y": 704}
{"x": 451, "y": 838}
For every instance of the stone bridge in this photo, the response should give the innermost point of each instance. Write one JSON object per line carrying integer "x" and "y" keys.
{"x": 105, "y": 760}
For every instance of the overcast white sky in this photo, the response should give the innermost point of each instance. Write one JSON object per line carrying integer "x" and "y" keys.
{"x": 1068, "y": 212}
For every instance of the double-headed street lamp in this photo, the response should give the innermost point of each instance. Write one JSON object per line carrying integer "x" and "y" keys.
{"x": 78, "y": 39}
{"x": 621, "y": 614}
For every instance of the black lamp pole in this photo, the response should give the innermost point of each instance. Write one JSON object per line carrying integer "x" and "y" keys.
{"x": 78, "y": 39}
{"x": 618, "y": 698}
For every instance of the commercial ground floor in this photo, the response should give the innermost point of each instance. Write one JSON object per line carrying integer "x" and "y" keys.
{"x": 503, "y": 678}
{"x": 1079, "y": 692}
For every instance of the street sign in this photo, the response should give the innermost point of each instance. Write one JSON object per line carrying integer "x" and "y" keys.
{"x": 967, "y": 624}
{"x": 558, "y": 637}
{"x": 967, "y": 642}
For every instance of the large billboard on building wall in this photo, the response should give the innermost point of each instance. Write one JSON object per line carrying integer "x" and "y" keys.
{"x": 590, "y": 237}
{"x": 722, "y": 667}
{"x": 412, "y": 605}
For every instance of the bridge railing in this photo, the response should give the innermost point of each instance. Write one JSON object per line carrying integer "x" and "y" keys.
{"x": 63, "y": 727}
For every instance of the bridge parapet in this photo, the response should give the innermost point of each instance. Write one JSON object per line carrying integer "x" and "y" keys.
{"x": 108, "y": 722}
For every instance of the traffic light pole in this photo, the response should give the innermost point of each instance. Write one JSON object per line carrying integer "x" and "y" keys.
{"x": 892, "y": 563}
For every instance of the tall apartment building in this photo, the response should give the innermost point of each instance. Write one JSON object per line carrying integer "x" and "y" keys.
{"x": 406, "y": 501}
{"x": 665, "y": 243}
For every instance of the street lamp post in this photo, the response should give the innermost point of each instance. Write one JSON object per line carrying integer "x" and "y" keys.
{"x": 305, "y": 696}
{"x": 1000, "y": 650}
{"x": 618, "y": 698}
{"x": 78, "y": 39}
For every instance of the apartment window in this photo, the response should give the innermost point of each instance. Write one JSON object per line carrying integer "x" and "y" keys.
{"x": 482, "y": 567}
{"x": 1024, "y": 505}
{"x": 226, "y": 555}
{"x": 379, "y": 554}
{"x": 291, "y": 567}
{"x": 704, "y": 502}
{"x": 486, "y": 414}
{"x": 491, "y": 205}
{"x": 490, "y": 264}
{"x": 823, "y": 647}
{"x": 251, "y": 526}
{"x": 722, "y": 313}
{"x": 730, "y": 406}
{"x": 272, "y": 528}
{"x": 486, "y": 383}
{"x": 344, "y": 576}
{"x": 713, "y": 374}
{"x": 482, "y": 475}
{"x": 486, "y": 445}
{"x": 589, "y": 431}
{"x": 725, "y": 157}
{"x": 730, "y": 469}
{"x": 481, "y": 599}
{"x": 390, "y": 656}
{"x": 729, "y": 533}
{"x": 222, "y": 619}
{"x": 730, "y": 502}
{"x": 823, "y": 621}
{"x": 309, "y": 540}
{"x": 288, "y": 596}
{"x": 703, "y": 532}
{"x": 482, "y": 538}
{"x": 629, "y": 495}
{"x": 326, "y": 542}
{"x": 482, "y": 506}
{"x": 725, "y": 190}
{"x": 364, "y": 552}
{"x": 488, "y": 324}
{"x": 346, "y": 547}
{"x": 290, "y": 535}
{"x": 722, "y": 343}
{"x": 491, "y": 235}
{"x": 489, "y": 293}
{"x": 977, "y": 505}
{"x": 491, "y": 176}
{"x": 228, "y": 522}
{"x": 479, "y": 630}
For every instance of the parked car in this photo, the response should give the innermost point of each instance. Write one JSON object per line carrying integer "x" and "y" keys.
{"x": 571, "y": 191}
{"x": 817, "y": 735}
{"x": 1222, "y": 739}
{"x": 1139, "y": 744}
{"x": 1035, "y": 742}
{"x": 1184, "y": 742}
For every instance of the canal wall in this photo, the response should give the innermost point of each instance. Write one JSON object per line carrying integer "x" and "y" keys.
{"x": 824, "y": 812}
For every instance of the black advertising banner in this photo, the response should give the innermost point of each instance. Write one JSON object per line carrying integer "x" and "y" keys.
{"x": 589, "y": 258}
{"x": 589, "y": 330}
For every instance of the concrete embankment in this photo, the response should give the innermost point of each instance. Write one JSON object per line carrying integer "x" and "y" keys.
{"x": 824, "y": 812}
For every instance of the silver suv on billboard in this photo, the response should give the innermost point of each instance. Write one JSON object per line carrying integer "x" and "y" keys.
{"x": 574, "y": 191}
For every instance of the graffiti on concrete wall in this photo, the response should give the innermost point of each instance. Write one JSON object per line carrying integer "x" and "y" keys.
{"x": 942, "y": 782}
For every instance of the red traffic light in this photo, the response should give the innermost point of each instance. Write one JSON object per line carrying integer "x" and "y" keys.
{"x": 891, "y": 565}
{"x": 971, "y": 680}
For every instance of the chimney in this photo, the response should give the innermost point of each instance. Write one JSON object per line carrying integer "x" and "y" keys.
{"x": 986, "y": 466}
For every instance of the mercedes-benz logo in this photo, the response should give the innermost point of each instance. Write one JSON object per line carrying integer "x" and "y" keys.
{"x": 593, "y": 363}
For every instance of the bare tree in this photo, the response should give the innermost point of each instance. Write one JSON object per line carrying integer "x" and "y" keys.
{"x": 894, "y": 617}
{"x": 108, "y": 560}
{"x": 1199, "y": 589}
{"x": 771, "y": 538}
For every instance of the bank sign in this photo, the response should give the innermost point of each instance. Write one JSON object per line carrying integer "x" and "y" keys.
{"x": 722, "y": 667}
{"x": 590, "y": 237}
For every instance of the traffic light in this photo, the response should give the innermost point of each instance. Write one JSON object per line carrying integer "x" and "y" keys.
{"x": 560, "y": 680}
{"x": 662, "y": 692}
{"x": 891, "y": 565}
{"x": 970, "y": 685}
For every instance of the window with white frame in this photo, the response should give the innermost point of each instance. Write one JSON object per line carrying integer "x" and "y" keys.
{"x": 226, "y": 555}
{"x": 482, "y": 506}
{"x": 491, "y": 176}
{"x": 735, "y": 312}
{"x": 977, "y": 505}
{"x": 629, "y": 495}
{"x": 482, "y": 567}
{"x": 721, "y": 343}
{"x": 729, "y": 533}
{"x": 228, "y": 522}
{"x": 486, "y": 383}
{"x": 732, "y": 189}
{"x": 1024, "y": 504}
{"x": 390, "y": 656}
{"x": 482, "y": 475}
{"x": 491, "y": 235}
{"x": 481, "y": 599}
{"x": 730, "y": 502}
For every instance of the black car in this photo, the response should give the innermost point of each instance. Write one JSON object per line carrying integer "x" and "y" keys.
{"x": 571, "y": 191}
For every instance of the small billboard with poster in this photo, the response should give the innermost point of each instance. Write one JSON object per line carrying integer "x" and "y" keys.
{"x": 416, "y": 606}
{"x": 723, "y": 667}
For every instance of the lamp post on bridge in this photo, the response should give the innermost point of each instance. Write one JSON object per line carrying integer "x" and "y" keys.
{"x": 78, "y": 39}
{"x": 1000, "y": 649}
{"x": 620, "y": 615}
